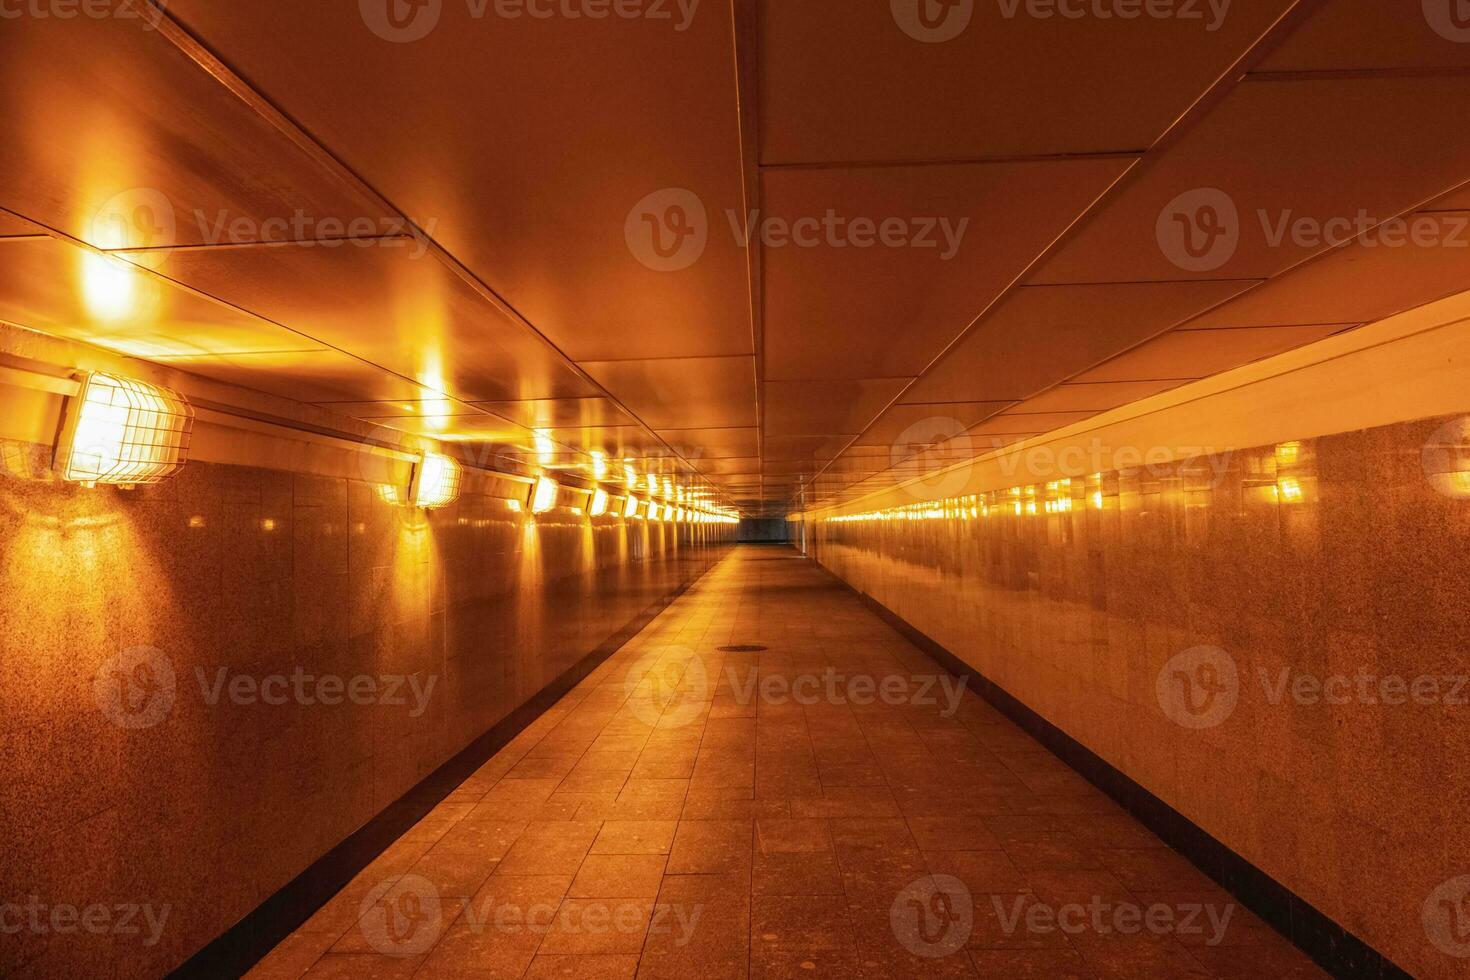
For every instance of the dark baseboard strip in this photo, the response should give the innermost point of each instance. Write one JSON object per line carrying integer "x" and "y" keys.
{"x": 245, "y": 943}
{"x": 1330, "y": 945}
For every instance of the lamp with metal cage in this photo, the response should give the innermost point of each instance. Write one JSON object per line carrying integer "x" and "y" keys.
{"x": 122, "y": 432}
{"x": 436, "y": 481}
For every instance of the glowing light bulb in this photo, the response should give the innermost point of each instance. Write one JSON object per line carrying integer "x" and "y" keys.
{"x": 123, "y": 432}
{"x": 543, "y": 498}
{"x": 436, "y": 481}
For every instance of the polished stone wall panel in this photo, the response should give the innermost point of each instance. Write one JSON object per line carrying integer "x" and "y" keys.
{"x": 1337, "y": 556}
{"x": 263, "y": 573}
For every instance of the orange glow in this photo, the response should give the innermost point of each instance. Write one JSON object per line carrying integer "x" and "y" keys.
{"x": 436, "y": 481}
{"x": 124, "y": 432}
{"x": 543, "y": 498}
{"x": 109, "y": 288}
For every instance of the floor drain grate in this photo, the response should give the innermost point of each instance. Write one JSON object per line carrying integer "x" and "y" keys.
{"x": 743, "y": 648}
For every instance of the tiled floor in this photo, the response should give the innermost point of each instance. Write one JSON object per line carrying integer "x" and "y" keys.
{"x": 814, "y": 808}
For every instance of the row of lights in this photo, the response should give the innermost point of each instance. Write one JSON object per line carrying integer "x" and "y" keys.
{"x": 127, "y": 433}
{"x": 1052, "y": 498}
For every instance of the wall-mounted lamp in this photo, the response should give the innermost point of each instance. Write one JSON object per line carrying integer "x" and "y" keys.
{"x": 543, "y": 498}
{"x": 598, "y": 507}
{"x": 630, "y": 507}
{"x": 436, "y": 481}
{"x": 123, "y": 432}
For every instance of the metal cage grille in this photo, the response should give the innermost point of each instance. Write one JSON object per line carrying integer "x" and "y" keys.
{"x": 126, "y": 432}
{"x": 438, "y": 481}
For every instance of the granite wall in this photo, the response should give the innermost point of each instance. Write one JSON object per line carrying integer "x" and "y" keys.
{"x": 206, "y": 685}
{"x": 1274, "y": 641}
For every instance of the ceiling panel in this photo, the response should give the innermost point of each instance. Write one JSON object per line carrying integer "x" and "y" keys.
{"x": 1094, "y": 397}
{"x": 1456, "y": 200}
{"x": 717, "y": 443}
{"x": 775, "y": 471}
{"x": 855, "y": 82}
{"x": 1002, "y": 425}
{"x": 308, "y": 376}
{"x": 13, "y": 225}
{"x": 1190, "y": 354}
{"x": 886, "y": 310}
{"x": 684, "y": 392}
{"x": 803, "y": 447}
{"x": 530, "y": 148}
{"x": 814, "y": 408}
{"x": 398, "y": 308}
{"x": 1039, "y": 336}
{"x": 616, "y": 442}
{"x": 116, "y": 138}
{"x": 724, "y": 467}
{"x": 554, "y": 412}
{"x": 69, "y": 291}
{"x": 461, "y": 428}
{"x": 1350, "y": 35}
{"x": 1366, "y": 280}
{"x": 429, "y": 408}
{"x": 921, "y": 425}
{"x": 1273, "y": 152}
